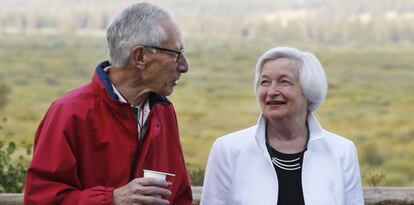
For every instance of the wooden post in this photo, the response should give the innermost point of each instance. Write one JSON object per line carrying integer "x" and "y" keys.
{"x": 389, "y": 196}
{"x": 11, "y": 199}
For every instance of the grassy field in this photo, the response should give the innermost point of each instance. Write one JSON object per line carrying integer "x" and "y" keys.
{"x": 370, "y": 100}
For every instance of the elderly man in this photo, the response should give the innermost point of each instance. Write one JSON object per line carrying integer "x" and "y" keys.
{"x": 94, "y": 143}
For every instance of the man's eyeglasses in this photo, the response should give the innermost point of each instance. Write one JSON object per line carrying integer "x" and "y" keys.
{"x": 179, "y": 53}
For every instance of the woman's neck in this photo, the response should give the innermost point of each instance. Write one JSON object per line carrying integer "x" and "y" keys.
{"x": 288, "y": 136}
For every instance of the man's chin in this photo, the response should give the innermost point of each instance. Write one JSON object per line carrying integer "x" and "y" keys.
{"x": 167, "y": 91}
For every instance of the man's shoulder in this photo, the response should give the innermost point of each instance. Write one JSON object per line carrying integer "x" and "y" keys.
{"x": 79, "y": 96}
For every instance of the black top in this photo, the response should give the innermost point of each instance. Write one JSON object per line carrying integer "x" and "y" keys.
{"x": 288, "y": 168}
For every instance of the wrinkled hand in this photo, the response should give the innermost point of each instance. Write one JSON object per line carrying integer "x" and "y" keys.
{"x": 143, "y": 191}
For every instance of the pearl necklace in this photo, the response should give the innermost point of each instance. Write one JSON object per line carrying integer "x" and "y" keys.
{"x": 288, "y": 165}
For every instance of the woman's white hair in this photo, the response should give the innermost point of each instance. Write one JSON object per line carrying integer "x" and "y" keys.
{"x": 311, "y": 75}
{"x": 135, "y": 24}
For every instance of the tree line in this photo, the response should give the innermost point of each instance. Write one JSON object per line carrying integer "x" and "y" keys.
{"x": 333, "y": 21}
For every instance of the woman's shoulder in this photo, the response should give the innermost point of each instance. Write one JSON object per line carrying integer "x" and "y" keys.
{"x": 341, "y": 145}
{"x": 336, "y": 138}
{"x": 237, "y": 139}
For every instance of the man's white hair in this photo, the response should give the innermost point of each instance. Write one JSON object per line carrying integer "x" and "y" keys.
{"x": 135, "y": 24}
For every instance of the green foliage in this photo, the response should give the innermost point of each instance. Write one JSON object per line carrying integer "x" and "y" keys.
{"x": 4, "y": 91}
{"x": 196, "y": 174}
{"x": 372, "y": 155}
{"x": 12, "y": 172}
{"x": 374, "y": 177}
{"x": 13, "y": 163}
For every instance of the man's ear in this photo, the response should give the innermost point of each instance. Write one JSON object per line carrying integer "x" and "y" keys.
{"x": 137, "y": 57}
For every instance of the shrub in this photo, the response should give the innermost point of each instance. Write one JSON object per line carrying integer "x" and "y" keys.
{"x": 196, "y": 175}
{"x": 374, "y": 177}
{"x": 12, "y": 166}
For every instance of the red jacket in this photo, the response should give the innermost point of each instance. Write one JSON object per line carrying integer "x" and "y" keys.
{"x": 86, "y": 144}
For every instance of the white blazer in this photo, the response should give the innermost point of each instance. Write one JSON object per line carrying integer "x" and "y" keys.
{"x": 239, "y": 169}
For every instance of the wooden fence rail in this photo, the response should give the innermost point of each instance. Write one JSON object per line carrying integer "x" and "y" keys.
{"x": 373, "y": 196}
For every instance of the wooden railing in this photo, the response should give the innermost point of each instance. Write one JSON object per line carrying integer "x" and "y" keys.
{"x": 373, "y": 196}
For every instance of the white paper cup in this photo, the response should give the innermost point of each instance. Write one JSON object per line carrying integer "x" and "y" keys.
{"x": 159, "y": 175}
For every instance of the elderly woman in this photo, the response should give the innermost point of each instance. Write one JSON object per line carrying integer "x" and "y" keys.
{"x": 287, "y": 158}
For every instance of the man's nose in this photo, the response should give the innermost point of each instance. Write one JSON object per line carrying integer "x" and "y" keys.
{"x": 182, "y": 64}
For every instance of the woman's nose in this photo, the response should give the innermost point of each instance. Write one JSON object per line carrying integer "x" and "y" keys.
{"x": 273, "y": 90}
